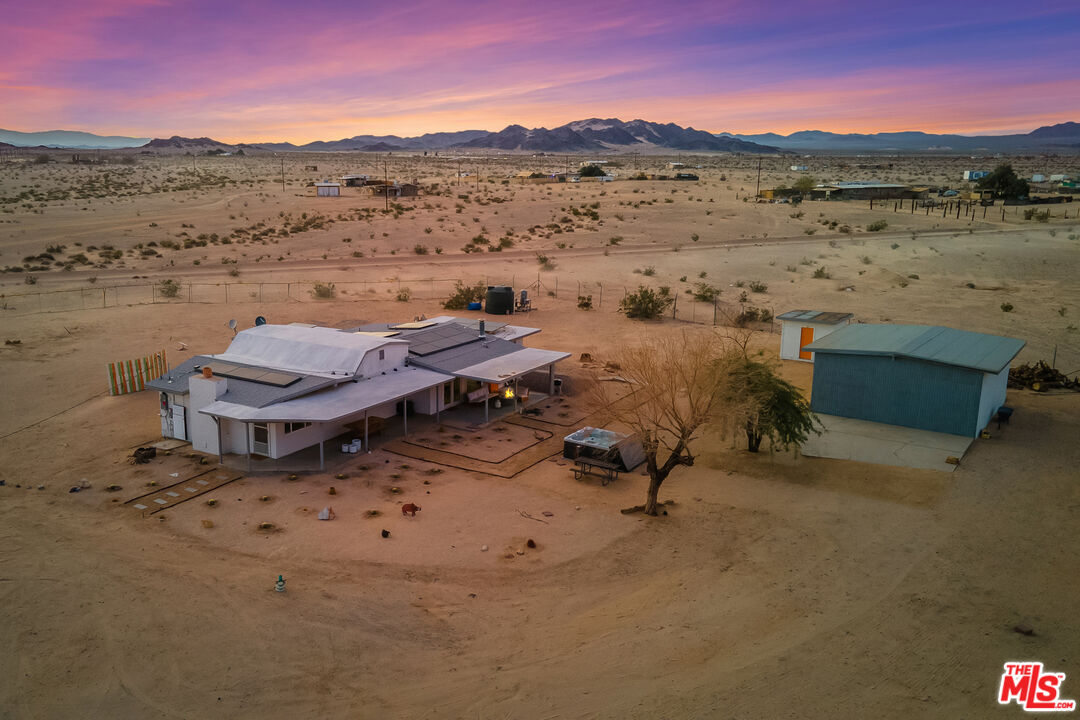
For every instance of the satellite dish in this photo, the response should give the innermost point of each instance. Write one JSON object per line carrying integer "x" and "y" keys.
{"x": 232, "y": 325}
{"x": 260, "y": 321}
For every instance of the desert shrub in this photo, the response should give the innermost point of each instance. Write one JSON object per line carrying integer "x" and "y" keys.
{"x": 465, "y": 294}
{"x": 169, "y": 288}
{"x": 420, "y": 249}
{"x": 323, "y": 290}
{"x": 792, "y": 268}
{"x": 584, "y": 302}
{"x": 649, "y": 271}
{"x": 645, "y": 303}
{"x": 758, "y": 286}
{"x": 403, "y": 294}
{"x": 704, "y": 292}
{"x": 545, "y": 262}
{"x": 1006, "y": 307}
{"x": 821, "y": 273}
{"x": 877, "y": 225}
{"x": 694, "y": 237}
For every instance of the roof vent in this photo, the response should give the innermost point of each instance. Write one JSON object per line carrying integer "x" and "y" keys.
{"x": 483, "y": 331}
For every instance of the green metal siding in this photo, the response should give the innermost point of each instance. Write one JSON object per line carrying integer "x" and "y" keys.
{"x": 898, "y": 391}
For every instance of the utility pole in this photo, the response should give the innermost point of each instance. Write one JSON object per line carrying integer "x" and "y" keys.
{"x": 282, "y": 174}
{"x": 757, "y": 192}
{"x": 386, "y": 184}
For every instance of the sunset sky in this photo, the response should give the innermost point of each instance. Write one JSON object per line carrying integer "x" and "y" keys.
{"x": 247, "y": 70}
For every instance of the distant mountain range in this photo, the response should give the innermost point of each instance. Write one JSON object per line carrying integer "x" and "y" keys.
{"x": 592, "y": 135}
{"x": 69, "y": 139}
{"x": 1064, "y": 136}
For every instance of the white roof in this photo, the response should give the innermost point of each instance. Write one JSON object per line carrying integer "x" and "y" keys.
{"x": 504, "y": 367}
{"x": 327, "y": 184}
{"x": 336, "y": 403}
{"x": 311, "y": 350}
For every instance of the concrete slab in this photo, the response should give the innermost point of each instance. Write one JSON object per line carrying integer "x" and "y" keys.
{"x": 850, "y": 439}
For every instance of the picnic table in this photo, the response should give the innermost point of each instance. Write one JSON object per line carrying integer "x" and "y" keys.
{"x": 607, "y": 471}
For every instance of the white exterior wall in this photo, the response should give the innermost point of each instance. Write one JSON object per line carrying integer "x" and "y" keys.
{"x": 282, "y": 443}
{"x": 394, "y": 355}
{"x": 428, "y": 401}
{"x": 994, "y": 388}
{"x": 202, "y": 430}
{"x": 791, "y": 331}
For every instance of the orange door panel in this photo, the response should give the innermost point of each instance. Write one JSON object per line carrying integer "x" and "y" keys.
{"x": 806, "y": 336}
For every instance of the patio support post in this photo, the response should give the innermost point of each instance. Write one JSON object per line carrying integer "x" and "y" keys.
{"x": 367, "y": 447}
{"x": 247, "y": 438}
{"x": 405, "y": 414}
{"x": 487, "y": 401}
{"x": 220, "y": 450}
{"x": 321, "y": 454}
{"x": 551, "y": 379}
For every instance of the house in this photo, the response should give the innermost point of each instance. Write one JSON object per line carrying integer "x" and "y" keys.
{"x": 859, "y": 191}
{"x": 1059, "y": 177}
{"x": 929, "y": 378}
{"x": 355, "y": 180}
{"x": 395, "y": 189}
{"x": 328, "y": 189}
{"x": 1038, "y": 177}
{"x": 975, "y": 174}
{"x": 674, "y": 165}
{"x": 798, "y": 168}
{"x": 799, "y": 328}
{"x": 685, "y": 176}
{"x": 280, "y": 389}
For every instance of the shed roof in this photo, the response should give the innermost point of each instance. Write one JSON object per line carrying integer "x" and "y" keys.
{"x": 930, "y": 343}
{"x": 492, "y": 360}
{"x": 816, "y": 316}
{"x": 312, "y": 350}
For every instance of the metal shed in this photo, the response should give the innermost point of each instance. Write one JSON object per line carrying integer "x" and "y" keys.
{"x": 926, "y": 377}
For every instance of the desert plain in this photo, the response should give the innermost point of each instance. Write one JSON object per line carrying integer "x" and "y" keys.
{"x": 777, "y": 586}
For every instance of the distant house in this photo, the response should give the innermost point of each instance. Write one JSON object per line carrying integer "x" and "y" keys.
{"x": 798, "y": 168}
{"x": 975, "y": 174}
{"x": 1038, "y": 177}
{"x": 354, "y": 180}
{"x": 926, "y": 377}
{"x": 328, "y": 189}
{"x": 674, "y": 165}
{"x": 395, "y": 189}
{"x": 799, "y": 328}
{"x": 859, "y": 191}
{"x": 685, "y": 176}
{"x": 1059, "y": 177}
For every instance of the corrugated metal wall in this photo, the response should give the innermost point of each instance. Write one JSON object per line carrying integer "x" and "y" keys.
{"x": 897, "y": 392}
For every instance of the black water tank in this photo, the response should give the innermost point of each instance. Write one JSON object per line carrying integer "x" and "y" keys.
{"x": 500, "y": 300}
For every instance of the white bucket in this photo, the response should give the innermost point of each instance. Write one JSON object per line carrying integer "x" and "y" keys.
{"x": 354, "y": 449}
{"x": 345, "y": 448}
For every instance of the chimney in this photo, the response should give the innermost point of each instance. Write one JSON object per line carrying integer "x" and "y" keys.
{"x": 483, "y": 332}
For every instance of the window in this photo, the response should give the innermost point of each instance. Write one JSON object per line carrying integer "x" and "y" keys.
{"x": 382, "y": 354}
{"x": 294, "y": 426}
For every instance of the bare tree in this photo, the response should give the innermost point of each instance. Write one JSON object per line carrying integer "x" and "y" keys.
{"x": 681, "y": 383}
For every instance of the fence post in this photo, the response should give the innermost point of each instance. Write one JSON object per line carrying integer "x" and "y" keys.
{"x": 153, "y": 294}
{"x": 601, "y": 300}
{"x": 556, "y": 287}
{"x": 675, "y": 306}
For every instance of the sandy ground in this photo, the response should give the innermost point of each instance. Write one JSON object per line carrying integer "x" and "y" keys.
{"x": 777, "y": 586}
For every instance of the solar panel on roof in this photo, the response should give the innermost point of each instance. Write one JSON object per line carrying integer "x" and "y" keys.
{"x": 377, "y": 333}
{"x": 221, "y": 368}
{"x": 440, "y": 338}
{"x": 413, "y": 325}
{"x": 246, "y": 373}
{"x": 278, "y": 379}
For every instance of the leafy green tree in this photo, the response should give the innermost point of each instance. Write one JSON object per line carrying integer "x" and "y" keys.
{"x": 805, "y": 184}
{"x": 1004, "y": 183}
{"x": 646, "y": 303}
{"x": 774, "y": 408}
{"x": 591, "y": 171}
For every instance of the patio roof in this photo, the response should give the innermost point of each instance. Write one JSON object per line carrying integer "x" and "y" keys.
{"x": 506, "y": 367}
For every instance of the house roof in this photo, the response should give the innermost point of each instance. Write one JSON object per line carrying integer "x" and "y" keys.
{"x": 307, "y": 350}
{"x": 243, "y": 392}
{"x": 961, "y": 348}
{"x": 816, "y": 316}
{"x": 335, "y": 403}
{"x": 493, "y": 360}
{"x": 857, "y": 185}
